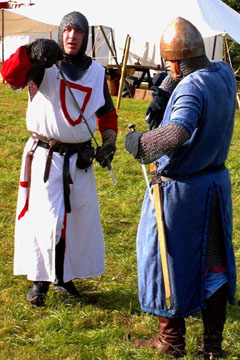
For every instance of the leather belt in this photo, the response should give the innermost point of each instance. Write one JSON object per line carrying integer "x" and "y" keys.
{"x": 163, "y": 178}
{"x": 66, "y": 150}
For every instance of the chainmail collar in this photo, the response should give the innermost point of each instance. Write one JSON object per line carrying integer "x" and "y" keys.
{"x": 75, "y": 66}
{"x": 187, "y": 66}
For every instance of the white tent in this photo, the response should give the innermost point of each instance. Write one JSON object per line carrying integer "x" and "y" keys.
{"x": 143, "y": 22}
{"x": 20, "y": 26}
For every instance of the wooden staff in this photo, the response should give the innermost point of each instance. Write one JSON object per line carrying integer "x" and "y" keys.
{"x": 158, "y": 204}
{"x": 115, "y": 58}
{"x": 2, "y": 11}
{"x": 123, "y": 72}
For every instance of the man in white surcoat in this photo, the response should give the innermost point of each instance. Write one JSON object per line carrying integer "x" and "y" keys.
{"x": 58, "y": 233}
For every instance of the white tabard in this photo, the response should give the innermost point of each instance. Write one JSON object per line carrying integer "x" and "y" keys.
{"x": 40, "y": 219}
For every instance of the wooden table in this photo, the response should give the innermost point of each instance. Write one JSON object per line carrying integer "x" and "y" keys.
{"x": 131, "y": 69}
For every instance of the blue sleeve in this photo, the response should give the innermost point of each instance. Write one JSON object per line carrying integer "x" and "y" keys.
{"x": 187, "y": 103}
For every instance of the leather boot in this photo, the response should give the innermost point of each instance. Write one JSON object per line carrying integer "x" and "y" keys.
{"x": 170, "y": 339}
{"x": 36, "y": 295}
{"x": 60, "y": 286}
{"x": 214, "y": 317}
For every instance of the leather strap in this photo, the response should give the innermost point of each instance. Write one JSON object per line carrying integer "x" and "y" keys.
{"x": 58, "y": 146}
{"x": 29, "y": 164}
{"x": 66, "y": 176}
{"x": 65, "y": 149}
{"x": 52, "y": 144}
{"x": 164, "y": 178}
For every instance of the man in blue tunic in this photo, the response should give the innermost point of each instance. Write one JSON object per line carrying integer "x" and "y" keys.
{"x": 189, "y": 148}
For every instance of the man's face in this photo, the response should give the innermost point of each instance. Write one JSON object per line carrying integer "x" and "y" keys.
{"x": 174, "y": 69}
{"x": 72, "y": 40}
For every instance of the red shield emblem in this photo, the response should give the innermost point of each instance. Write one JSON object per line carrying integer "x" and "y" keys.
{"x": 83, "y": 89}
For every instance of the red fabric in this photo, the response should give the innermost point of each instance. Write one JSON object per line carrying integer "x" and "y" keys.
{"x": 218, "y": 270}
{"x": 14, "y": 70}
{"x": 85, "y": 89}
{"x": 25, "y": 208}
{"x": 24, "y": 184}
{"x": 4, "y": 5}
{"x": 63, "y": 233}
{"x": 108, "y": 121}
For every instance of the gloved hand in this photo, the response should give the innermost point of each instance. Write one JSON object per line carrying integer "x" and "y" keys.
{"x": 131, "y": 142}
{"x": 106, "y": 152}
{"x": 44, "y": 52}
{"x": 155, "y": 110}
{"x": 161, "y": 95}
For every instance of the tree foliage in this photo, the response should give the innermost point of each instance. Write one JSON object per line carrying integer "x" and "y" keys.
{"x": 233, "y": 46}
{"x": 234, "y": 4}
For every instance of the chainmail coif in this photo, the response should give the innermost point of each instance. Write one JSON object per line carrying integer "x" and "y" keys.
{"x": 188, "y": 66}
{"x": 75, "y": 66}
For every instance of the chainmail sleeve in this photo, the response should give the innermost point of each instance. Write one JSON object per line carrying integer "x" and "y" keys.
{"x": 158, "y": 142}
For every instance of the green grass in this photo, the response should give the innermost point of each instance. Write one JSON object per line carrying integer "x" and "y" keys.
{"x": 79, "y": 330}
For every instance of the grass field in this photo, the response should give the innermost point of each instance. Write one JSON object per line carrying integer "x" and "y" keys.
{"x": 92, "y": 330}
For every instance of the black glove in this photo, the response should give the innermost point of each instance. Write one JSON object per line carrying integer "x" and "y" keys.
{"x": 132, "y": 141}
{"x": 155, "y": 110}
{"x": 104, "y": 154}
{"x": 44, "y": 52}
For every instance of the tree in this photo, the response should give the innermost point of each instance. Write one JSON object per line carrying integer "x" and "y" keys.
{"x": 234, "y": 4}
{"x": 233, "y": 46}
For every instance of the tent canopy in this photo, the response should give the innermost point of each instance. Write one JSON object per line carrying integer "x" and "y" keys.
{"x": 143, "y": 22}
{"x": 12, "y": 23}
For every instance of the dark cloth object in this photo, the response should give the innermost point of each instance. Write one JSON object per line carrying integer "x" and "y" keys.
{"x": 75, "y": 66}
{"x": 46, "y": 52}
{"x": 161, "y": 95}
{"x": 170, "y": 339}
{"x": 67, "y": 288}
{"x": 108, "y": 106}
{"x": 132, "y": 142}
{"x": 132, "y": 84}
{"x": 43, "y": 53}
{"x": 214, "y": 317}
{"x": 104, "y": 154}
{"x": 59, "y": 285}
{"x": 158, "y": 78}
{"x": 156, "y": 109}
{"x": 85, "y": 157}
{"x": 36, "y": 295}
{"x": 215, "y": 243}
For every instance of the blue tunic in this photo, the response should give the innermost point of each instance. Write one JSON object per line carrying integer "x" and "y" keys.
{"x": 204, "y": 103}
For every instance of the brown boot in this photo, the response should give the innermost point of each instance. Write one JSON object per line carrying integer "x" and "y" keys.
{"x": 214, "y": 317}
{"x": 170, "y": 339}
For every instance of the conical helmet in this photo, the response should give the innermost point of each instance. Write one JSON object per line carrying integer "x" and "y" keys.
{"x": 181, "y": 40}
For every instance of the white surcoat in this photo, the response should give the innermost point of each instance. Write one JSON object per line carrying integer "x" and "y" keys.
{"x": 41, "y": 218}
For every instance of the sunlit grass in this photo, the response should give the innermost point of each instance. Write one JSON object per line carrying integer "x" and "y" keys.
{"x": 79, "y": 330}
